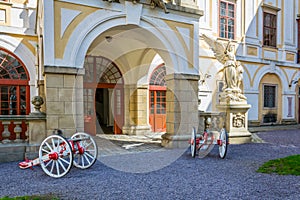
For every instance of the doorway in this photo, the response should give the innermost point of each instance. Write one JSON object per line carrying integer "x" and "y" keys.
{"x": 103, "y": 96}
{"x": 157, "y": 101}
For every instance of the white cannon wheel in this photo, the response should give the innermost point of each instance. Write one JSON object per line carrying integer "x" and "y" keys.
{"x": 223, "y": 147}
{"x": 90, "y": 153}
{"x": 55, "y": 155}
{"x": 193, "y": 142}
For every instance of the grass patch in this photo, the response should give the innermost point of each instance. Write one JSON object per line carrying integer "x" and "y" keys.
{"x": 34, "y": 197}
{"x": 283, "y": 166}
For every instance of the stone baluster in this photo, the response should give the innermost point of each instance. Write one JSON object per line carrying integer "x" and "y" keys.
{"x": 5, "y": 133}
{"x": 18, "y": 130}
{"x": 27, "y": 132}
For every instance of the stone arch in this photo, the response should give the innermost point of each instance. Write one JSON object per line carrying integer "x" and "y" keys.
{"x": 23, "y": 53}
{"x": 80, "y": 41}
{"x": 266, "y": 70}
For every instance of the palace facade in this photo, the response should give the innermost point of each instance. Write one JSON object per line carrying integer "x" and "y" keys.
{"x": 135, "y": 68}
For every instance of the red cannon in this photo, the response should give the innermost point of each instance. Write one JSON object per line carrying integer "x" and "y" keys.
{"x": 203, "y": 143}
{"x": 57, "y": 154}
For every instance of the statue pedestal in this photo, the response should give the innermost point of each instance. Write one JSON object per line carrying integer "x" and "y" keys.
{"x": 236, "y": 121}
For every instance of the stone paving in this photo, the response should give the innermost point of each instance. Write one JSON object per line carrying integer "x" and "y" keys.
{"x": 123, "y": 144}
{"x": 110, "y": 144}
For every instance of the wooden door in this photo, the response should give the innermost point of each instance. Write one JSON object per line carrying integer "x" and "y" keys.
{"x": 157, "y": 117}
{"x": 118, "y": 110}
{"x": 89, "y": 111}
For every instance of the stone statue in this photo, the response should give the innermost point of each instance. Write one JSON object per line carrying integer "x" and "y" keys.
{"x": 160, "y": 4}
{"x": 233, "y": 70}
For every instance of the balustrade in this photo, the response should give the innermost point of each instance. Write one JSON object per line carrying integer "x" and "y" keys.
{"x": 211, "y": 120}
{"x": 13, "y": 130}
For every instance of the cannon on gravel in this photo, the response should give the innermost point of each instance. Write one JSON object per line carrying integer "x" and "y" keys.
{"x": 202, "y": 143}
{"x": 58, "y": 154}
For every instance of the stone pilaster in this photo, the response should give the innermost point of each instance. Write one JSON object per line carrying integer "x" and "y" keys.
{"x": 136, "y": 109}
{"x": 64, "y": 99}
{"x": 182, "y": 109}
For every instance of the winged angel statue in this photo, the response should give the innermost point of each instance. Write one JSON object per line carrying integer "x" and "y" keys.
{"x": 233, "y": 70}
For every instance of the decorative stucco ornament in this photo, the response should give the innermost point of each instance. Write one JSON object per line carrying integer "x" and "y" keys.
{"x": 37, "y": 101}
{"x": 232, "y": 69}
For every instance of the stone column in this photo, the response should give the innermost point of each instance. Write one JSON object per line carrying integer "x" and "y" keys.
{"x": 136, "y": 110}
{"x": 182, "y": 109}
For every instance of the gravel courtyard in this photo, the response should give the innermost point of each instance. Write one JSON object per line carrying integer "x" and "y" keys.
{"x": 168, "y": 174}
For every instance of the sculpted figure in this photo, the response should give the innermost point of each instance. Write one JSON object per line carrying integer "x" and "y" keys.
{"x": 230, "y": 74}
{"x": 160, "y": 4}
{"x": 233, "y": 70}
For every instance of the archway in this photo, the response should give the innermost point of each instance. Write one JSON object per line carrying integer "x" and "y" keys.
{"x": 270, "y": 99}
{"x": 103, "y": 96}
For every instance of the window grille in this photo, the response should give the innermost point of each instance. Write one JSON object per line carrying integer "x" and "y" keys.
{"x": 14, "y": 88}
{"x": 269, "y": 96}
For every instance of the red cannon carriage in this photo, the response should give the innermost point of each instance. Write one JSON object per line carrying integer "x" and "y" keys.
{"x": 203, "y": 143}
{"x": 57, "y": 154}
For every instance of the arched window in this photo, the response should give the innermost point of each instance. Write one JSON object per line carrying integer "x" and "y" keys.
{"x": 14, "y": 88}
{"x": 158, "y": 76}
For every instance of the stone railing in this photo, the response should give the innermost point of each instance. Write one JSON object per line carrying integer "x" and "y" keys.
{"x": 20, "y": 136}
{"x": 13, "y": 129}
{"x": 213, "y": 121}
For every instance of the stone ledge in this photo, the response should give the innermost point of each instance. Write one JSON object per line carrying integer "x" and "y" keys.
{"x": 63, "y": 70}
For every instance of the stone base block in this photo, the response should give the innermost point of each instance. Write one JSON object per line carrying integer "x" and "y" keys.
{"x": 240, "y": 137}
{"x": 175, "y": 141}
{"x": 32, "y": 151}
{"x": 136, "y": 130}
{"x": 12, "y": 152}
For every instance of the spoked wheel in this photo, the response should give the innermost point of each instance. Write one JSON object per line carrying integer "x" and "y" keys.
{"x": 207, "y": 144}
{"x": 55, "y": 155}
{"x": 86, "y": 150}
{"x": 223, "y": 143}
{"x": 193, "y": 142}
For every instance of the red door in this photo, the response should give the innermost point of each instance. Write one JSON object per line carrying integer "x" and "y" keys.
{"x": 118, "y": 110}
{"x": 89, "y": 111}
{"x": 157, "y": 117}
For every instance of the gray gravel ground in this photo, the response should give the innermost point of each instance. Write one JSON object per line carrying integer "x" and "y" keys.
{"x": 235, "y": 177}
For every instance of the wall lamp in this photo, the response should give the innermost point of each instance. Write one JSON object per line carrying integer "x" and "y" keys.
{"x": 206, "y": 76}
{"x": 108, "y": 38}
{"x": 293, "y": 82}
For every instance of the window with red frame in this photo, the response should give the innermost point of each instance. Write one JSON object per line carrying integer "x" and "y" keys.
{"x": 227, "y": 20}
{"x": 269, "y": 29}
{"x": 14, "y": 88}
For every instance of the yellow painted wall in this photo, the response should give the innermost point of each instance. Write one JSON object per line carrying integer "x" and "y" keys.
{"x": 274, "y": 80}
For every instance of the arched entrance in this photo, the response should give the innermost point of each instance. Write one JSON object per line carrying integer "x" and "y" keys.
{"x": 103, "y": 96}
{"x": 157, "y": 99}
{"x": 270, "y": 99}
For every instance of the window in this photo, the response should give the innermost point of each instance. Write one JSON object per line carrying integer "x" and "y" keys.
{"x": 227, "y": 19}
{"x": 14, "y": 89}
{"x": 269, "y": 29}
{"x": 269, "y": 96}
{"x": 158, "y": 76}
